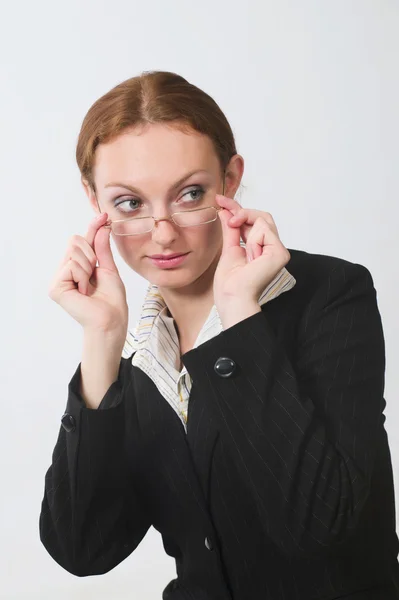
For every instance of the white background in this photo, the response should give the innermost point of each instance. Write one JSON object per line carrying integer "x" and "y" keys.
{"x": 311, "y": 90}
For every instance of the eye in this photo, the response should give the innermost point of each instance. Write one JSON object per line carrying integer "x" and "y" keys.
{"x": 198, "y": 192}
{"x": 127, "y": 201}
{"x": 190, "y": 197}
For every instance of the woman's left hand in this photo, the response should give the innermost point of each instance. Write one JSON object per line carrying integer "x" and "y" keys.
{"x": 239, "y": 277}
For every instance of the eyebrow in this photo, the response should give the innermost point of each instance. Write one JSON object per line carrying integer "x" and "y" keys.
{"x": 173, "y": 187}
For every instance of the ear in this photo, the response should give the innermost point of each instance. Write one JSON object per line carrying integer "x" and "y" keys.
{"x": 90, "y": 193}
{"x": 234, "y": 172}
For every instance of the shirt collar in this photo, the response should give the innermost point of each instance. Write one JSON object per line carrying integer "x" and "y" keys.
{"x": 154, "y": 307}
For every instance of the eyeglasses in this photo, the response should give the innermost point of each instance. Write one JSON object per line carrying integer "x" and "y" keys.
{"x": 140, "y": 225}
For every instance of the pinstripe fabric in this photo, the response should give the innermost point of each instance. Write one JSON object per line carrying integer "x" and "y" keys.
{"x": 280, "y": 485}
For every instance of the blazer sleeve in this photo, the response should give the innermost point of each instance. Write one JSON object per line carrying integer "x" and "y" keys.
{"x": 303, "y": 432}
{"x": 92, "y": 516}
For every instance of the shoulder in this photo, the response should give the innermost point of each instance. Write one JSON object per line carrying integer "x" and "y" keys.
{"x": 321, "y": 281}
{"x": 314, "y": 271}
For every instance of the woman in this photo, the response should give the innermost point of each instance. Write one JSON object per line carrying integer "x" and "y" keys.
{"x": 243, "y": 417}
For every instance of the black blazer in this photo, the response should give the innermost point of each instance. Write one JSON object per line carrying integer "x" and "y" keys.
{"x": 282, "y": 488}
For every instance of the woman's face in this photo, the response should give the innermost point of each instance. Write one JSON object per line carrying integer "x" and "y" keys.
{"x": 152, "y": 159}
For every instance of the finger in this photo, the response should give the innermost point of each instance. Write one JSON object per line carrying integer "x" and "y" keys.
{"x": 77, "y": 242}
{"x": 261, "y": 236}
{"x": 249, "y": 216}
{"x": 229, "y": 203}
{"x": 270, "y": 221}
{"x": 79, "y": 275}
{"x": 94, "y": 226}
{"x": 79, "y": 255}
{"x": 72, "y": 271}
{"x": 241, "y": 217}
{"x": 102, "y": 249}
{"x": 231, "y": 235}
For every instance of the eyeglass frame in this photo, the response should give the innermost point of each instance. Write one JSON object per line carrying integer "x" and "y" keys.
{"x": 109, "y": 222}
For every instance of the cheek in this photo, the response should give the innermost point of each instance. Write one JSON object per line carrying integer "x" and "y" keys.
{"x": 205, "y": 237}
{"x": 130, "y": 249}
{"x": 215, "y": 236}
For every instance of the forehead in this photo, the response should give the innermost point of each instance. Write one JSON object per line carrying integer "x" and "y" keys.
{"x": 156, "y": 150}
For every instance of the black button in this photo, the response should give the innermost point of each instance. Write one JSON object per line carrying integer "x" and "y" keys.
{"x": 225, "y": 366}
{"x": 68, "y": 422}
{"x": 208, "y": 544}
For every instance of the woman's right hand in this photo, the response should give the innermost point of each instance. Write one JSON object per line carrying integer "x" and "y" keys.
{"x": 94, "y": 296}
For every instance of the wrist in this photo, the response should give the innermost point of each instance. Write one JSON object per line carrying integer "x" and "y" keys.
{"x": 235, "y": 310}
{"x": 105, "y": 337}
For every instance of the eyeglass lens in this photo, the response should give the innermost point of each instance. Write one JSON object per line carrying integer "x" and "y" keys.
{"x": 188, "y": 218}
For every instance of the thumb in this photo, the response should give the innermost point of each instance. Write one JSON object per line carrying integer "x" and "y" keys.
{"x": 231, "y": 235}
{"x": 102, "y": 249}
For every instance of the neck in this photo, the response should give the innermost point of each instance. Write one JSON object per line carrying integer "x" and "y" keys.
{"x": 190, "y": 306}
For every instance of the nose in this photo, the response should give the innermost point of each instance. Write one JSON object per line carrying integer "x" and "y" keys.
{"x": 165, "y": 232}
{"x": 163, "y": 219}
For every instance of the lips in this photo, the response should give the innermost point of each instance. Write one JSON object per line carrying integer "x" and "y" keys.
{"x": 170, "y": 263}
{"x": 167, "y": 256}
